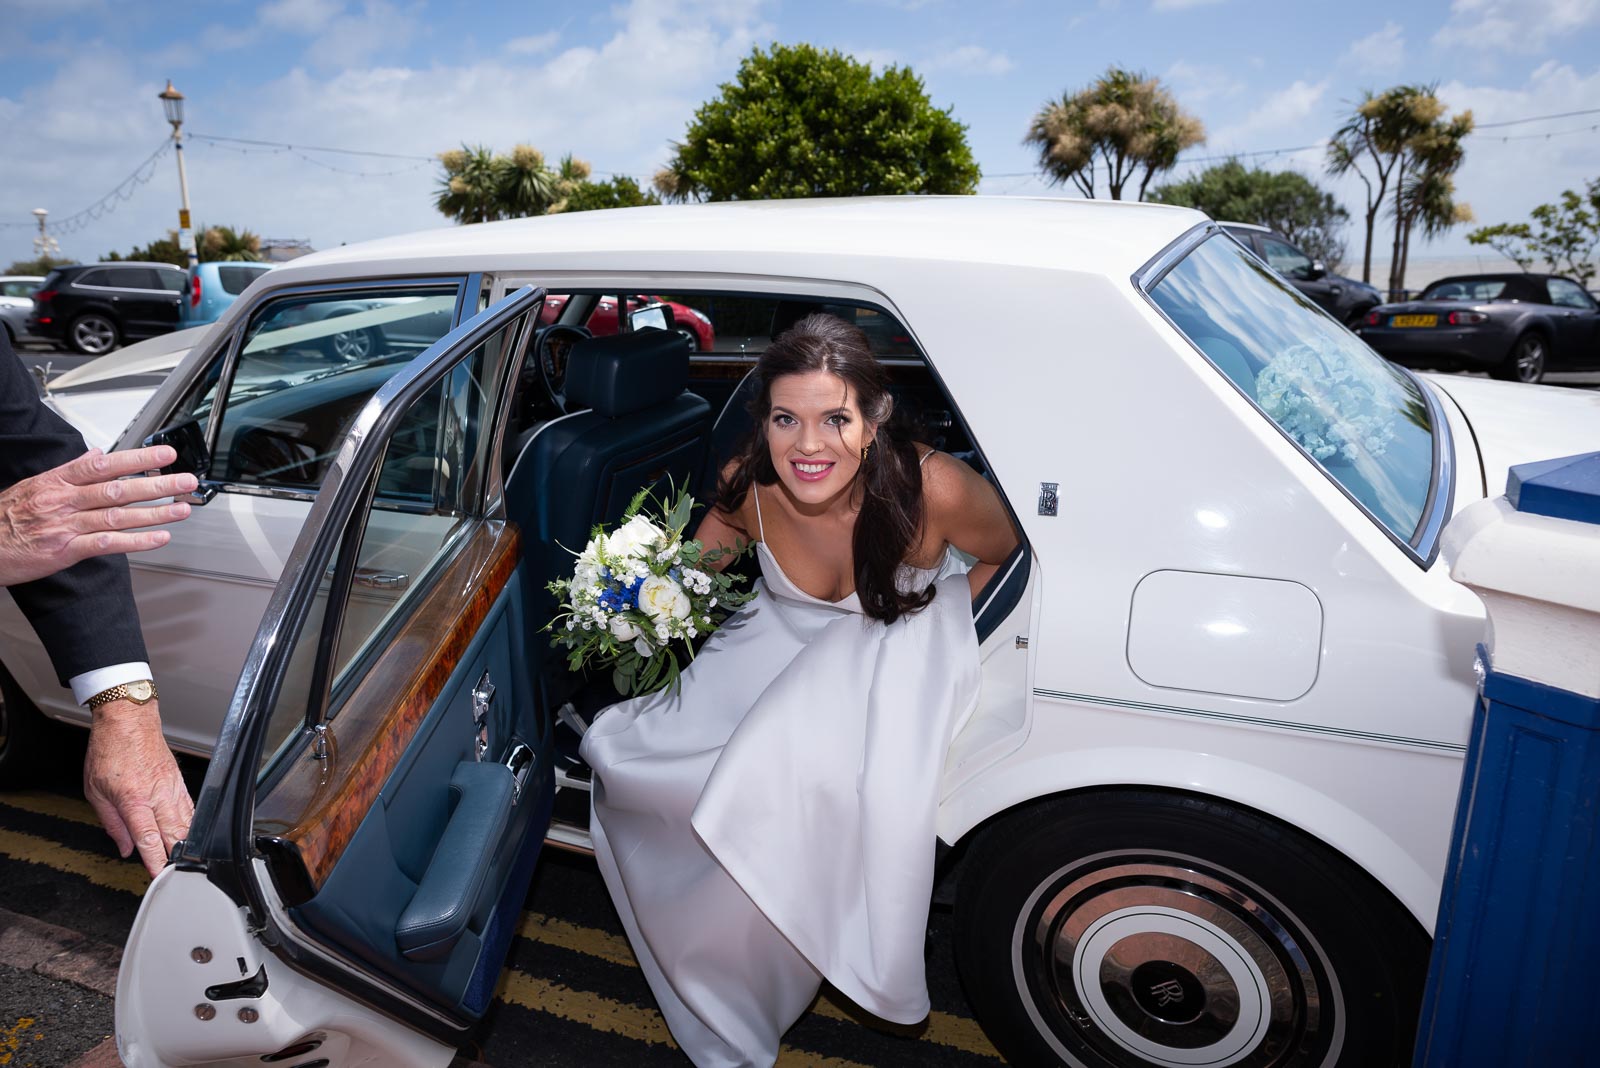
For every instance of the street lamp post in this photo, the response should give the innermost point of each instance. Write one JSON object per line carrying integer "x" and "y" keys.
{"x": 44, "y": 245}
{"x": 172, "y": 103}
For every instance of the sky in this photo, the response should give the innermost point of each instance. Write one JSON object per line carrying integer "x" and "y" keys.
{"x": 616, "y": 85}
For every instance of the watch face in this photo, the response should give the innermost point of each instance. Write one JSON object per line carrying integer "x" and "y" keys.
{"x": 141, "y": 690}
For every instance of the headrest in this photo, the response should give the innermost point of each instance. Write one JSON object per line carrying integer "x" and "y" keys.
{"x": 627, "y": 372}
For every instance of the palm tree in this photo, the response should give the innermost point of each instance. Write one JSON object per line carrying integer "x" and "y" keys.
{"x": 227, "y": 244}
{"x": 1427, "y": 194}
{"x": 468, "y": 191}
{"x": 1125, "y": 122}
{"x": 1372, "y": 143}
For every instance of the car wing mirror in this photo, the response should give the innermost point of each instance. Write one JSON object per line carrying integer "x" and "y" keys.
{"x": 1316, "y": 270}
{"x": 188, "y": 440}
{"x": 651, "y": 317}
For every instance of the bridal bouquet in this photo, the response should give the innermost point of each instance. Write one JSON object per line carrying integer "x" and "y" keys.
{"x": 639, "y": 595}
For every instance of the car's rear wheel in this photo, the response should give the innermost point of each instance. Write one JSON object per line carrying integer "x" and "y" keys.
{"x": 1526, "y": 362}
{"x": 689, "y": 336}
{"x": 1154, "y": 930}
{"x": 92, "y": 334}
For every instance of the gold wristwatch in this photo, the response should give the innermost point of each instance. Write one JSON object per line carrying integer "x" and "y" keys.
{"x": 141, "y": 692}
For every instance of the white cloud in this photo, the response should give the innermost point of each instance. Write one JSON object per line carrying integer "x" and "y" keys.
{"x": 1179, "y": 5}
{"x": 1382, "y": 52}
{"x": 1282, "y": 114}
{"x": 534, "y": 44}
{"x": 1525, "y": 26}
{"x": 969, "y": 59}
{"x": 300, "y": 16}
{"x": 1197, "y": 83}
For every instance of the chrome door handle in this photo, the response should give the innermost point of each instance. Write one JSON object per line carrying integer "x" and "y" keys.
{"x": 482, "y": 699}
{"x": 377, "y": 579}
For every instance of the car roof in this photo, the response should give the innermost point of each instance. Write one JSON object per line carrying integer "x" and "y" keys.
{"x": 1246, "y": 226}
{"x": 783, "y": 237}
{"x": 121, "y": 263}
{"x": 1499, "y": 276}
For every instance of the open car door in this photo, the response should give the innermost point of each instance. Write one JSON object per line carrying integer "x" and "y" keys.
{"x": 382, "y": 784}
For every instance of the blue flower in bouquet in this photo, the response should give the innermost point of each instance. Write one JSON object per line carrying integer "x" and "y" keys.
{"x": 641, "y": 594}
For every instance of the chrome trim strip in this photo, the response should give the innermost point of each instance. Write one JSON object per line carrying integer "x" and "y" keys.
{"x": 1150, "y": 275}
{"x": 998, "y": 586}
{"x": 138, "y": 564}
{"x": 1254, "y": 721}
{"x": 1436, "y": 510}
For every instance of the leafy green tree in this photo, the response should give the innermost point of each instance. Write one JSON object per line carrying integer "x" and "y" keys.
{"x": 1566, "y": 235}
{"x": 161, "y": 250}
{"x": 41, "y": 266}
{"x": 1287, "y": 201}
{"x": 620, "y": 192}
{"x": 1123, "y": 126}
{"x": 799, "y": 121}
{"x": 1401, "y": 146}
{"x": 479, "y": 185}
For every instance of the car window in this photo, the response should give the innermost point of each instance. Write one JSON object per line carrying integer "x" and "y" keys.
{"x": 20, "y": 289}
{"x": 175, "y": 281}
{"x": 1568, "y": 294}
{"x": 1364, "y": 422}
{"x": 1471, "y": 290}
{"x": 1286, "y": 259}
{"x": 95, "y": 278}
{"x": 131, "y": 278}
{"x": 429, "y": 490}
{"x": 236, "y": 279}
{"x": 305, "y": 367}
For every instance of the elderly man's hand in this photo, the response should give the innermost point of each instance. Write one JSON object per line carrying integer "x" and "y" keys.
{"x": 133, "y": 783}
{"x": 81, "y": 509}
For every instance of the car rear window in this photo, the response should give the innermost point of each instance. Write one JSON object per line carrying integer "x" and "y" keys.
{"x": 1471, "y": 291}
{"x": 236, "y": 279}
{"x": 1363, "y": 421}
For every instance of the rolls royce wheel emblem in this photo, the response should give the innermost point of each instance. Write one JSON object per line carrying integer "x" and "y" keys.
{"x": 1048, "y": 497}
{"x": 1167, "y": 993}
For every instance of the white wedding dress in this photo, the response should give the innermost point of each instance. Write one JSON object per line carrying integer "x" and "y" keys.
{"x": 772, "y": 824}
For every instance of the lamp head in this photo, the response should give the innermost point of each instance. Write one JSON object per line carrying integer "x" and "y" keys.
{"x": 172, "y": 104}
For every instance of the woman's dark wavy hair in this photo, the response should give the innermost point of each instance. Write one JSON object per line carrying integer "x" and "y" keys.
{"x": 889, "y": 480}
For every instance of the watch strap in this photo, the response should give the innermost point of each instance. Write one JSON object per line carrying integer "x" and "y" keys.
{"x": 123, "y": 692}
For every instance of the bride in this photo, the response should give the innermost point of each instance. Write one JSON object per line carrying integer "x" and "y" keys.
{"x": 770, "y": 825}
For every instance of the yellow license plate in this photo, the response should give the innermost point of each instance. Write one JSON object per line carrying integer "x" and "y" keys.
{"x": 1415, "y": 320}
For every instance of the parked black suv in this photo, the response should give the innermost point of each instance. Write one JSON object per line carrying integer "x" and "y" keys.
{"x": 1346, "y": 299}
{"x": 94, "y": 307}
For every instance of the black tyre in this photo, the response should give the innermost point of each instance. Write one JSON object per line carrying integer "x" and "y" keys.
{"x": 689, "y": 336}
{"x": 1141, "y": 929}
{"x": 1526, "y": 361}
{"x": 93, "y": 334}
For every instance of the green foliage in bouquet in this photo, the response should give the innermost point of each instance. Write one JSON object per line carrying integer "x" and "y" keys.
{"x": 642, "y": 594}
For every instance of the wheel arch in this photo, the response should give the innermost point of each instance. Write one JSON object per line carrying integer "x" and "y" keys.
{"x": 981, "y": 806}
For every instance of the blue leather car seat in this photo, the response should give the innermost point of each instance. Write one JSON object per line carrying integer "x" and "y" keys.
{"x": 630, "y": 424}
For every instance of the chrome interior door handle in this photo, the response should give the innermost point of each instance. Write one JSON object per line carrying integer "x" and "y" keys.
{"x": 482, "y": 701}
{"x": 378, "y": 579}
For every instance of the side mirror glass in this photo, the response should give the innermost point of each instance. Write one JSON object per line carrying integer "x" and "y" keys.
{"x": 188, "y": 440}
{"x": 651, "y": 317}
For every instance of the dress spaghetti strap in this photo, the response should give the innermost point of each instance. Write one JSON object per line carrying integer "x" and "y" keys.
{"x": 761, "y": 534}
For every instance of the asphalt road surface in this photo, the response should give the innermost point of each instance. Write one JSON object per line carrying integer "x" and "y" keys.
{"x": 571, "y": 995}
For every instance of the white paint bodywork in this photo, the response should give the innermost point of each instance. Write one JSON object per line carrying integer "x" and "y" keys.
{"x": 1163, "y": 466}
{"x": 161, "y": 987}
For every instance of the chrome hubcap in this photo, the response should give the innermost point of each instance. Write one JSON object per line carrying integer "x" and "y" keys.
{"x": 1165, "y": 961}
{"x": 355, "y": 345}
{"x": 94, "y": 335}
{"x": 1531, "y": 360}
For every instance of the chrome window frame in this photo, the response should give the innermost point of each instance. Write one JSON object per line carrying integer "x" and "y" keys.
{"x": 1423, "y": 545}
{"x": 234, "y": 343}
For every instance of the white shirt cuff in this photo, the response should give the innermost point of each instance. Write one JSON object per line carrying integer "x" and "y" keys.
{"x": 90, "y": 683}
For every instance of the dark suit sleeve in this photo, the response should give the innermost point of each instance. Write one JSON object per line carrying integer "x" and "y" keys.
{"x": 84, "y": 615}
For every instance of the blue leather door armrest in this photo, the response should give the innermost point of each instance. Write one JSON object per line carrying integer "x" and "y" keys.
{"x": 448, "y": 895}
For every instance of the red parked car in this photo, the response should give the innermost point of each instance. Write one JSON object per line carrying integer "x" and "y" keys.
{"x": 693, "y": 325}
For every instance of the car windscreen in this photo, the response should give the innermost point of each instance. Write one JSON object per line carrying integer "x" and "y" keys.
{"x": 1472, "y": 290}
{"x": 1362, "y": 420}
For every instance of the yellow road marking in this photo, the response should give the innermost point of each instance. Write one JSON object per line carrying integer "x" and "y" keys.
{"x": 102, "y": 871}
{"x": 943, "y": 1027}
{"x": 619, "y": 1018}
{"x": 43, "y": 804}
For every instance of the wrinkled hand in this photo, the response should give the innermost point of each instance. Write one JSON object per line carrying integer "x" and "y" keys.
{"x": 133, "y": 783}
{"x": 80, "y": 509}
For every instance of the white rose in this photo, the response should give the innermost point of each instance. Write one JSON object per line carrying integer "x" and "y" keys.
{"x": 633, "y": 538}
{"x": 660, "y": 598}
{"x": 622, "y": 629}
{"x": 643, "y": 647}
